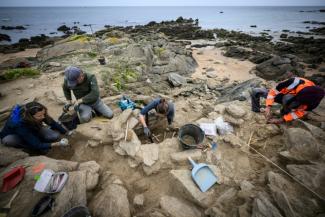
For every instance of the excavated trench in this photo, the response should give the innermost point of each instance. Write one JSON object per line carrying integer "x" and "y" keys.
{"x": 152, "y": 186}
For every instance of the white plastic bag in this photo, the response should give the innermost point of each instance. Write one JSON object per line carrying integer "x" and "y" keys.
{"x": 209, "y": 129}
{"x": 222, "y": 126}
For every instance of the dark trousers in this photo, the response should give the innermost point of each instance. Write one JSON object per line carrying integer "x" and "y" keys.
{"x": 256, "y": 94}
{"x": 287, "y": 101}
{"x": 46, "y": 135}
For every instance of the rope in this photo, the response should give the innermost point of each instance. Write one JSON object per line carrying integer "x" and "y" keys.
{"x": 295, "y": 179}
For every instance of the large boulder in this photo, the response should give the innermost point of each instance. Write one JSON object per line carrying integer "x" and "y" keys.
{"x": 112, "y": 198}
{"x": 176, "y": 80}
{"x": 131, "y": 145}
{"x": 289, "y": 197}
{"x": 91, "y": 168}
{"x": 74, "y": 192}
{"x": 317, "y": 132}
{"x": 166, "y": 147}
{"x": 18, "y": 62}
{"x": 235, "y": 111}
{"x": 238, "y": 91}
{"x": 111, "y": 201}
{"x": 10, "y": 155}
{"x": 181, "y": 64}
{"x": 178, "y": 208}
{"x": 265, "y": 131}
{"x": 302, "y": 146}
{"x": 277, "y": 67}
{"x": 182, "y": 157}
{"x": 148, "y": 154}
{"x": 233, "y": 140}
{"x": 63, "y": 48}
{"x": 263, "y": 207}
{"x": 237, "y": 52}
{"x": 185, "y": 186}
{"x": 118, "y": 125}
{"x": 96, "y": 131}
{"x": 311, "y": 175}
{"x": 227, "y": 196}
{"x": 281, "y": 193}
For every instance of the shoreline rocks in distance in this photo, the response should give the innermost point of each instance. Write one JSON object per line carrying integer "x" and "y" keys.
{"x": 314, "y": 22}
{"x": 70, "y": 30}
{"x": 320, "y": 31}
{"x": 13, "y": 27}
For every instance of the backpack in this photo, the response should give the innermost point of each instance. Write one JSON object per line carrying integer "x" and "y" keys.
{"x": 126, "y": 103}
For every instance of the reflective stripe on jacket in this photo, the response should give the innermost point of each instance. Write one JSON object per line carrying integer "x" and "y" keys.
{"x": 295, "y": 113}
{"x": 289, "y": 86}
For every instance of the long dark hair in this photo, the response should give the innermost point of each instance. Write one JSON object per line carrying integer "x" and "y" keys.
{"x": 31, "y": 109}
{"x": 162, "y": 107}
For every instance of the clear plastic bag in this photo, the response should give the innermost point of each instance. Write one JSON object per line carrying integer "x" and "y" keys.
{"x": 222, "y": 126}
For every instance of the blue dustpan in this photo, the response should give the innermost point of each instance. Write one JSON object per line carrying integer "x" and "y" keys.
{"x": 203, "y": 175}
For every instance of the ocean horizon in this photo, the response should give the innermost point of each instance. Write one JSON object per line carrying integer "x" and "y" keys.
{"x": 46, "y": 20}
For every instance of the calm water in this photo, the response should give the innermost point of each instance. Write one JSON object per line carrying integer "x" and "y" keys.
{"x": 47, "y": 19}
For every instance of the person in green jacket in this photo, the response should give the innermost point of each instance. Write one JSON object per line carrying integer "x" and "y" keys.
{"x": 85, "y": 89}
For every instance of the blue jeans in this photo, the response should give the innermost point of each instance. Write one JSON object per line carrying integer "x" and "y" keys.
{"x": 99, "y": 107}
{"x": 46, "y": 135}
{"x": 256, "y": 94}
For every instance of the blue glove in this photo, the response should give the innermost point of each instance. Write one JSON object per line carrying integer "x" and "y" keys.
{"x": 66, "y": 107}
{"x": 146, "y": 131}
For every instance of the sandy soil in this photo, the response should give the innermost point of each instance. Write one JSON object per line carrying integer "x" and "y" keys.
{"x": 25, "y": 53}
{"x": 211, "y": 57}
{"x": 26, "y": 89}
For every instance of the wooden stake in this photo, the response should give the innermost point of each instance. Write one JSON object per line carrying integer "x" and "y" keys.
{"x": 126, "y": 130}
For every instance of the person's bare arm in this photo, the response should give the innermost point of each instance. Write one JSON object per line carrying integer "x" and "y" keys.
{"x": 142, "y": 120}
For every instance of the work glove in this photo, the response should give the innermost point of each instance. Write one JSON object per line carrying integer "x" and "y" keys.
{"x": 64, "y": 142}
{"x": 66, "y": 107}
{"x": 146, "y": 131}
{"x": 69, "y": 133}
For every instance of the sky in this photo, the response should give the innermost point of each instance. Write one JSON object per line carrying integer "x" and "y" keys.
{"x": 4, "y": 3}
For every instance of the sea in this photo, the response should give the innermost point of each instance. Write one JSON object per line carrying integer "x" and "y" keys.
{"x": 46, "y": 20}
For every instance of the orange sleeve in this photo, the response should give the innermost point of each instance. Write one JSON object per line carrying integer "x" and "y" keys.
{"x": 270, "y": 97}
{"x": 295, "y": 114}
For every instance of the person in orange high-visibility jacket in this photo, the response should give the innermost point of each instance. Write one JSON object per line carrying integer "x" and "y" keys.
{"x": 297, "y": 95}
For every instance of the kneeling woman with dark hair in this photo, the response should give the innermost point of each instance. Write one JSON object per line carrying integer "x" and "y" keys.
{"x": 25, "y": 129}
{"x": 162, "y": 107}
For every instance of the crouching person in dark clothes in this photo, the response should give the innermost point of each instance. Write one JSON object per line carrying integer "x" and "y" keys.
{"x": 163, "y": 109}
{"x": 25, "y": 129}
{"x": 85, "y": 88}
{"x": 296, "y": 95}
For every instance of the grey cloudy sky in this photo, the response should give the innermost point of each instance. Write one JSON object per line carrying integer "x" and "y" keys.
{"x": 161, "y": 2}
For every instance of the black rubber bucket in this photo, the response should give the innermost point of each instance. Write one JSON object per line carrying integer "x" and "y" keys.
{"x": 78, "y": 211}
{"x": 70, "y": 121}
{"x": 190, "y": 136}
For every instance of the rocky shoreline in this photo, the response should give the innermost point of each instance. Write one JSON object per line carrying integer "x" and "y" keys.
{"x": 294, "y": 53}
{"x": 114, "y": 176}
